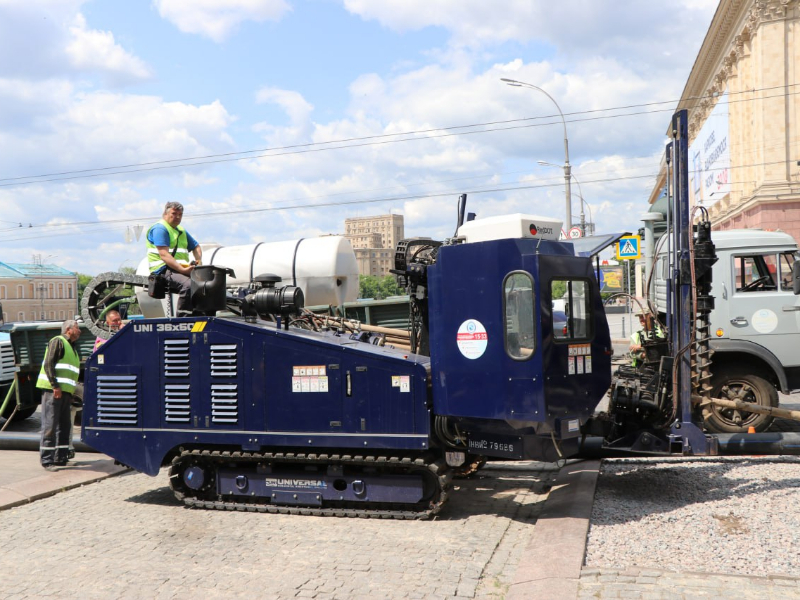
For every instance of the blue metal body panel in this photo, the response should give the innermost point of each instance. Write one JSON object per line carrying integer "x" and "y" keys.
{"x": 466, "y": 283}
{"x": 220, "y": 382}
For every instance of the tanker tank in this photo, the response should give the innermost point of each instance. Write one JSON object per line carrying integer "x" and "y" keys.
{"x": 324, "y": 268}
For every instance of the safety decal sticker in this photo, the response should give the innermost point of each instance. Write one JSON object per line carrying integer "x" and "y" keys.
{"x": 472, "y": 339}
{"x": 571, "y": 365}
{"x": 309, "y": 379}
{"x": 764, "y": 321}
{"x": 579, "y": 349}
{"x": 403, "y": 382}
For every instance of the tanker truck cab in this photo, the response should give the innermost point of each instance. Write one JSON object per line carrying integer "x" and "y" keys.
{"x": 501, "y": 368}
{"x": 755, "y": 324}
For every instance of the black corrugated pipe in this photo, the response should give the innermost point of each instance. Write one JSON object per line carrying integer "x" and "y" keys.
{"x": 774, "y": 443}
{"x": 30, "y": 441}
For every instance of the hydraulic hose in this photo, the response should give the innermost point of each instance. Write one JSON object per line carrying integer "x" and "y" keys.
{"x": 8, "y": 396}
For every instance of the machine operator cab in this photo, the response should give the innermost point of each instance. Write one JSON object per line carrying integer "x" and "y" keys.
{"x": 510, "y": 369}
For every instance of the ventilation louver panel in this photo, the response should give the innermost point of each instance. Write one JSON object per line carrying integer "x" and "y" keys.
{"x": 7, "y": 367}
{"x": 117, "y": 400}
{"x": 176, "y": 403}
{"x": 224, "y": 396}
{"x": 224, "y": 403}
{"x": 177, "y": 397}
{"x": 223, "y": 360}
{"x": 176, "y": 358}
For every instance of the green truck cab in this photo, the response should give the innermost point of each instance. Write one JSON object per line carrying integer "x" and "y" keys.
{"x": 28, "y": 342}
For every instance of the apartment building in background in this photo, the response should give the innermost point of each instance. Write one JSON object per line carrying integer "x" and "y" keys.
{"x": 374, "y": 240}
{"x": 37, "y": 292}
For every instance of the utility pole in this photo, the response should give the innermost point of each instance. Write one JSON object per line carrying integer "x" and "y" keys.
{"x": 37, "y": 260}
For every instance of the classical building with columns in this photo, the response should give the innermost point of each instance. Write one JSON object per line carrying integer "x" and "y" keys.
{"x": 743, "y": 100}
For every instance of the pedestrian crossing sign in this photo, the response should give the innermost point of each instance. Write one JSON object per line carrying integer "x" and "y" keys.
{"x": 629, "y": 246}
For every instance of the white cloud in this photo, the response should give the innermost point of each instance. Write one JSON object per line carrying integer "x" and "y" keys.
{"x": 42, "y": 39}
{"x": 218, "y": 19}
{"x": 622, "y": 28}
{"x": 296, "y": 107}
{"x": 91, "y": 49}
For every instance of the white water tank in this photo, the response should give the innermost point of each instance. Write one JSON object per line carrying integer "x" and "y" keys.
{"x": 324, "y": 268}
{"x": 516, "y": 226}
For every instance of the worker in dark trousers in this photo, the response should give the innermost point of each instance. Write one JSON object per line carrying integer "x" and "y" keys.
{"x": 168, "y": 248}
{"x": 57, "y": 380}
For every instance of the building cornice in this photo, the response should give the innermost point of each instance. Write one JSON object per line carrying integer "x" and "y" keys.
{"x": 735, "y": 23}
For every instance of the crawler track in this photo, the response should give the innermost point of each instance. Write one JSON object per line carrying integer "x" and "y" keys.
{"x": 436, "y": 474}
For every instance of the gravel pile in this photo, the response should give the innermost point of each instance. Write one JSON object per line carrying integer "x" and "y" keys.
{"x": 721, "y": 515}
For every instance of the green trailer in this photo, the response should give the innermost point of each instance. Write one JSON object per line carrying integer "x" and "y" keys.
{"x": 392, "y": 312}
{"x": 29, "y": 342}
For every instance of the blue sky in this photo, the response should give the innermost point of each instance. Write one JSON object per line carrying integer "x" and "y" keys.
{"x": 88, "y": 86}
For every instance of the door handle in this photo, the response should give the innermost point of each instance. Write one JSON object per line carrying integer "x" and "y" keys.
{"x": 790, "y": 308}
{"x": 739, "y": 321}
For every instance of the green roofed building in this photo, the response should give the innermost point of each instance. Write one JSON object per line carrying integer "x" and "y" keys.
{"x": 37, "y": 292}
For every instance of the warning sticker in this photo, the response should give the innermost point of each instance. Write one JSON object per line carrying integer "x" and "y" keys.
{"x": 405, "y": 384}
{"x": 302, "y": 371}
{"x": 472, "y": 339}
{"x": 309, "y": 379}
{"x": 571, "y": 365}
{"x": 588, "y": 366}
{"x": 579, "y": 365}
{"x": 579, "y": 349}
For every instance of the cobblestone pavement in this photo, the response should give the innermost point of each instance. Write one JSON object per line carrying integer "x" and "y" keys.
{"x": 127, "y": 537}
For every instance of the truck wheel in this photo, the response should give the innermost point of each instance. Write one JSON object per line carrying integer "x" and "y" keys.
{"x": 22, "y": 413}
{"x": 746, "y": 388}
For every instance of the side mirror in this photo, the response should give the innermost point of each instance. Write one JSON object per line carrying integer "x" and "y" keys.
{"x": 796, "y": 277}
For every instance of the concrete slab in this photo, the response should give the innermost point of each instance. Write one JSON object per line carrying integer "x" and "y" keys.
{"x": 22, "y": 478}
{"x": 550, "y": 569}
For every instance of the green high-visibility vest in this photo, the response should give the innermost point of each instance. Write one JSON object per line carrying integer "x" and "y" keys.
{"x": 638, "y": 338}
{"x": 67, "y": 369}
{"x": 178, "y": 246}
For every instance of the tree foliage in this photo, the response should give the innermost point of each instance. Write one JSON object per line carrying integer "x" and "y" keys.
{"x": 83, "y": 281}
{"x": 370, "y": 286}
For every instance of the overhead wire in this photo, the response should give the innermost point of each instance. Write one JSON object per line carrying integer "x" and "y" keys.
{"x": 400, "y": 198}
{"x": 103, "y": 225}
{"x": 346, "y": 142}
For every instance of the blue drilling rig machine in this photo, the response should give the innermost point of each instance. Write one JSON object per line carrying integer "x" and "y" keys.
{"x": 255, "y": 403}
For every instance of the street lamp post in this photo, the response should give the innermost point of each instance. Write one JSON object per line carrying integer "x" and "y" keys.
{"x": 39, "y": 261}
{"x": 567, "y": 168}
{"x": 580, "y": 195}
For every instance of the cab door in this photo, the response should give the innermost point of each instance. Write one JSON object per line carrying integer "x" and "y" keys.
{"x": 762, "y": 308}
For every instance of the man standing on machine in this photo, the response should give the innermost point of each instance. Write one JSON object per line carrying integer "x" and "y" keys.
{"x": 168, "y": 248}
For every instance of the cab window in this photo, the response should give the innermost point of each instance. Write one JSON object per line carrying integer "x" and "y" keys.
{"x": 518, "y": 305}
{"x": 759, "y": 272}
{"x": 575, "y": 321}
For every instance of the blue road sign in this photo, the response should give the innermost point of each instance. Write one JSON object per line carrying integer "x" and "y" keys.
{"x": 629, "y": 247}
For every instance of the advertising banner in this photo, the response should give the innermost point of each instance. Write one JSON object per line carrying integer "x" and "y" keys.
{"x": 710, "y": 158}
{"x": 611, "y": 279}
